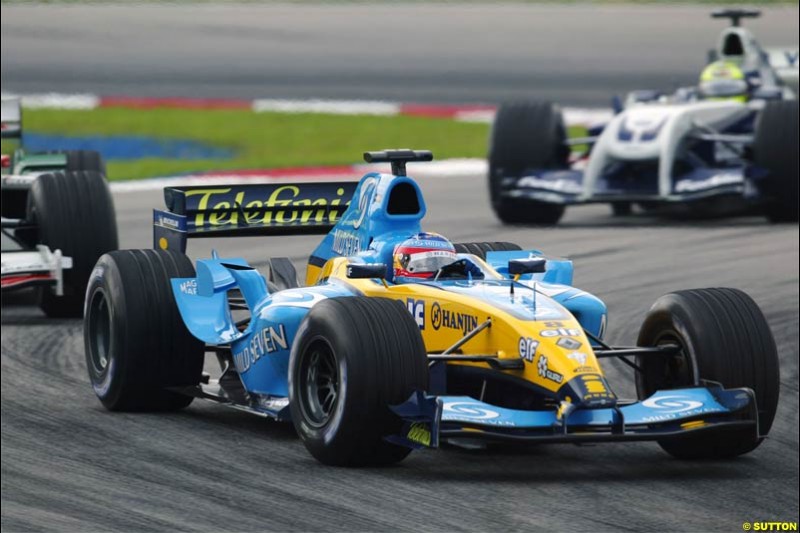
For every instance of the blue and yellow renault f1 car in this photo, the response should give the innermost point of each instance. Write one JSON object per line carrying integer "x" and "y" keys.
{"x": 496, "y": 346}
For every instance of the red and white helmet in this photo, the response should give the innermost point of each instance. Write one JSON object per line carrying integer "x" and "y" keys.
{"x": 422, "y": 255}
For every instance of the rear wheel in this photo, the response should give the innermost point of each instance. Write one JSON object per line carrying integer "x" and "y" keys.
{"x": 74, "y": 213}
{"x": 480, "y": 248}
{"x": 775, "y": 150}
{"x": 724, "y": 338}
{"x": 353, "y": 358}
{"x": 85, "y": 160}
{"x": 525, "y": 135}
{"x": 82, "y": 160}
{"x": 135, "y": 340}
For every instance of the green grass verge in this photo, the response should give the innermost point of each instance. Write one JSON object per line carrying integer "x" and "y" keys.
{"x": 262, "y": 140}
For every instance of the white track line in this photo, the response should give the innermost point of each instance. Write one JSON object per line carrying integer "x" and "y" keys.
{"x": 572, "y": 116}
{"x": 448, "y": 168}
{"x": 57, "y": 101}
{"x": 334, "y": 107}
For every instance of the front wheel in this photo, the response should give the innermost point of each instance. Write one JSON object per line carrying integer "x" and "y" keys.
{"x": 85, "y": 161}
{"x": 525, "y": 136}
{"x": 81, "y": 160}
{"x": 775, "y": 150}
{"x": 533, "y": 212}
{"x": 352, "y": 358}
{"x": 136, "y": 343}
{"x": 724, "y": 338}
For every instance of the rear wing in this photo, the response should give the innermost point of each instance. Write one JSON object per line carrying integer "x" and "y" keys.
{"x": 736, "y": 15}
{"x": 249, "y": 210}
{"x": 10, "y": 118}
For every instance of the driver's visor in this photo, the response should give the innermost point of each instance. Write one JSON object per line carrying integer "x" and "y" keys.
{"x": 723, "y": 88}
{"x": 430, "y": 261}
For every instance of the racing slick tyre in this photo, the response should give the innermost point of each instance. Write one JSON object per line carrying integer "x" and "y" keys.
{"x": 775, "y": 150}
{"x": 353, "y": 357}
{"x": 480, "y": 248}
{"x": 525, "y": 135}
{"x": 724, "y": 338}
{"x": 85, "y": 160}
{"x": 74, "y": 213}
{"x": 135, "y": 340}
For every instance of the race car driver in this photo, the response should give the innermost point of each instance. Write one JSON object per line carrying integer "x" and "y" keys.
{"x": 430, "y": 256}
{"x": 723, "y": 80}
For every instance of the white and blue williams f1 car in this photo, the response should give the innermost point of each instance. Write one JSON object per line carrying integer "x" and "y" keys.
{"x": 496, "y": 346}
{"x": 726, "y": 146}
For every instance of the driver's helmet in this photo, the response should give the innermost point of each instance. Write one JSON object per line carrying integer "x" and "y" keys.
{"x": 421, "y": 257}
{"x": 723, "y": 80}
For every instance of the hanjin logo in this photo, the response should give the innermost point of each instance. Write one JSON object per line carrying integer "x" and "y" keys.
{"x": 445, "y": 318}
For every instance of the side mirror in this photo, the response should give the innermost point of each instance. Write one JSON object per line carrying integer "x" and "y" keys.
{"x": 366, "y": 270}
{"x": 535, "y": 265}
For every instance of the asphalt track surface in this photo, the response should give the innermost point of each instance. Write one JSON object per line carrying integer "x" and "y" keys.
{"x": 577, "y": 55}
{"x": 67, "y": 464}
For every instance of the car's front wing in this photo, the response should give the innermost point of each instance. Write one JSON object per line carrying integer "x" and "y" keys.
{"x": 568, "y": 187}
{"x": 26, "y": 268}
{"x": 666, "y": 414}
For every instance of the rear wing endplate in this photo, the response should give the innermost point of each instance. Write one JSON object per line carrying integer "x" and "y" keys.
{"x": 10, "y": 118}
{"x": 249, "y": 210}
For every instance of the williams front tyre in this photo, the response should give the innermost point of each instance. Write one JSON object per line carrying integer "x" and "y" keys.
{"x": 525, "y": 136}
{"x": 775, "y": 150}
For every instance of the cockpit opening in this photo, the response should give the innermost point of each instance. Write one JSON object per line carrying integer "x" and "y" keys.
{"x": 732, "y": 45}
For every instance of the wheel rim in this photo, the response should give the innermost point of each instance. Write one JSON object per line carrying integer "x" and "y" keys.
{"x": 320, "y": 383}
{"x": 99, "y": 318}
{"x": 676, "y": 371}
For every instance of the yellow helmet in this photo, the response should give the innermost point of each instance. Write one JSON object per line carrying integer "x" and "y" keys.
{"x": 723, "y": 80}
